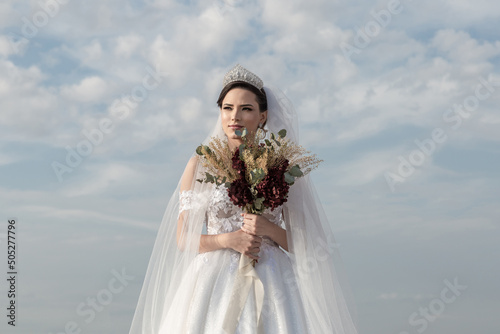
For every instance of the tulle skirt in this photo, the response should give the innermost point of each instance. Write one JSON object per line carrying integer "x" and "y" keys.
{"x": 201, "y": 300}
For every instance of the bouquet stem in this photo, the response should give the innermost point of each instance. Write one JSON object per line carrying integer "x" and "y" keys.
{"x": 249, "y": 209}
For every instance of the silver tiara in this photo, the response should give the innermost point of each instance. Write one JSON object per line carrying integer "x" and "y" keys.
{"x": 239, "y": 73}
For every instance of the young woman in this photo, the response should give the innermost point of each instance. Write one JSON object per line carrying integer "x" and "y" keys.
{"x": 194, "y": 280}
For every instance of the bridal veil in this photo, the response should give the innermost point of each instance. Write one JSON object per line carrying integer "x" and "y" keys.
{"x": 315, "y": 275}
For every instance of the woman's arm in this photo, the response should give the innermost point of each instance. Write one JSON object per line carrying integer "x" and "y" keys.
{"x": 186, "y": 184}
{"x": 278, "y": 235}
{"x": 240, "y": 241}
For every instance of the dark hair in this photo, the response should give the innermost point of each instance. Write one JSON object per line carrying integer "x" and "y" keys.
{"x": 259, "y": 93}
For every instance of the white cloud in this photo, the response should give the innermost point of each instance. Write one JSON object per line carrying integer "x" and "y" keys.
{"x": 90, "y": 89}
{"x": 189, "y": 110}
{"x": 6, "y": 48}
{"x": 8, "y": 15}
{"x": 461, "y": 47}
{"x": 366, "y": 168}
{"x": 199, "y": 38}
{"x": 6, "y": 159}
{"x": 162, "y": 4}
{"x": 464, "y": 10}
{"x": 28, "y": 107}
{"x": 127, "y": 45}
{"x": 76, "y": 215}
{"x": 105, "y": 178}
{"x": 93, "y": 51}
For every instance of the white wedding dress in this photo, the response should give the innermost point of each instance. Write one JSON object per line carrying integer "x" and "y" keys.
{"x": 201, "y": 301}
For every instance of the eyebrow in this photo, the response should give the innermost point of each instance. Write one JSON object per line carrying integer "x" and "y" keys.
{"x": 243, "y": 105}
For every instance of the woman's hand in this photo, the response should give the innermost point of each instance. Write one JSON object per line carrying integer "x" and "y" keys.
{"x": 243, "y": 243}
{"x": 261, "y": 226}
{"x": 257, "y": 225}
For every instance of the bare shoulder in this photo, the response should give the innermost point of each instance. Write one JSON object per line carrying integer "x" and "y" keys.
{"x": 189, "y": 173}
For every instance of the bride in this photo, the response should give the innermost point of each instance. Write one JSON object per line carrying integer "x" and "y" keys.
{"x": 195, "y": 276}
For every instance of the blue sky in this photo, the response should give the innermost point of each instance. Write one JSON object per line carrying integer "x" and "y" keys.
{"x": 399, "y": 98}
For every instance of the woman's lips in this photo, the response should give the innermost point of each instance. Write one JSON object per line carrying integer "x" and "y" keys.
{"x": 236, "y": 126}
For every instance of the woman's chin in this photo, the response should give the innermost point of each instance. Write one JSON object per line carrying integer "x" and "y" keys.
{"x": 235, "y": 141}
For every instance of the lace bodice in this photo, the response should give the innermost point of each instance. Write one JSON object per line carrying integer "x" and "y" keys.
{"x": 222, "y": 215}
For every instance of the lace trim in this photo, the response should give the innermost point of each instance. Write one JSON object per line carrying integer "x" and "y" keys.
{"x": 222, "y": 215}
{"x": 185, "y": 200}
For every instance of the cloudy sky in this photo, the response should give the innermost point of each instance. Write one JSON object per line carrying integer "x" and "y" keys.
{"x": 103, "y": 102}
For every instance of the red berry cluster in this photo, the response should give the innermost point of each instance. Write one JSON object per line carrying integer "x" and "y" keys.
{"x": 239, "y": 191}
{"x": 238, "y": 164}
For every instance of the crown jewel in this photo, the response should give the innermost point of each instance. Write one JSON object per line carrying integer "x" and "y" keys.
{"x": 239, "y": 73}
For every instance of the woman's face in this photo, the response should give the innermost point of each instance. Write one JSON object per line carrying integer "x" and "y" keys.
{"x": 240, "y": 110}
